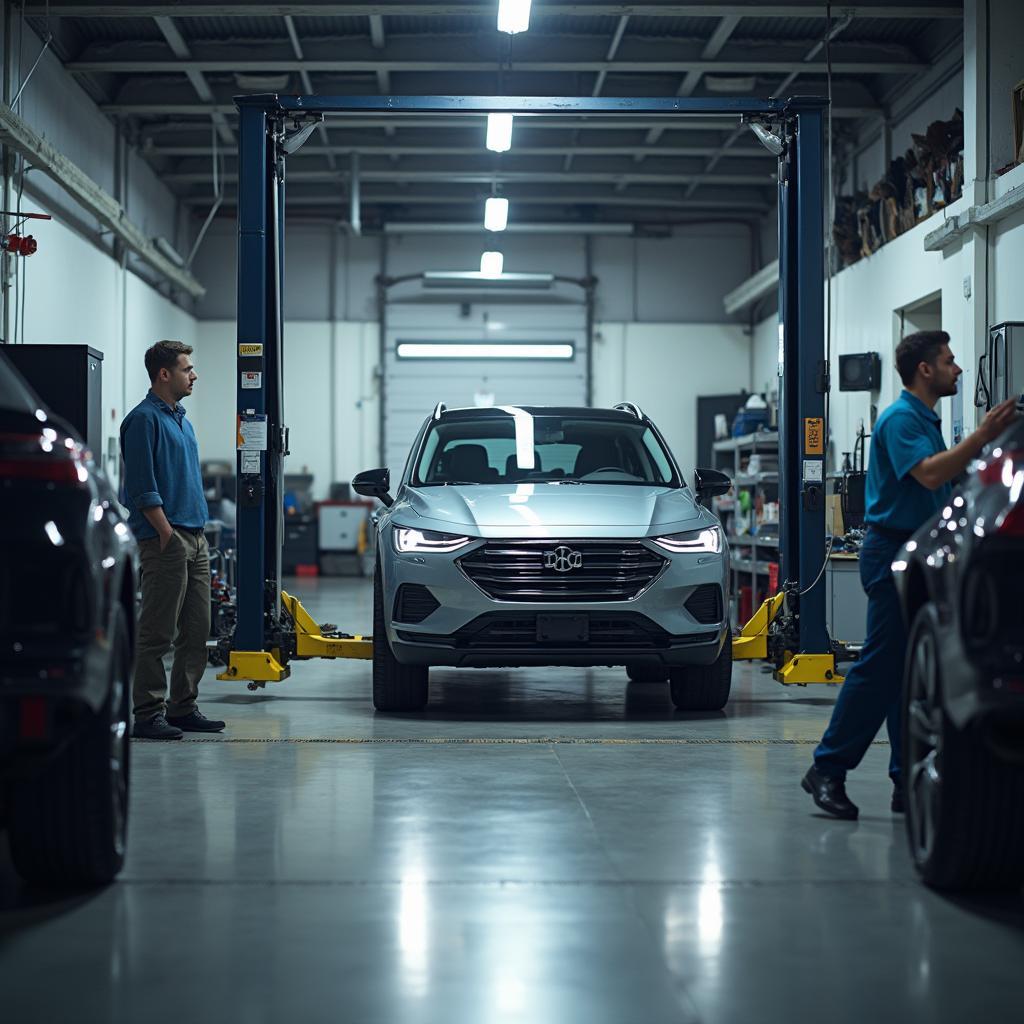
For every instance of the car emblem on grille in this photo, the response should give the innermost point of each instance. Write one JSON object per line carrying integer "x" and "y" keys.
{"x": 562, "y": 559}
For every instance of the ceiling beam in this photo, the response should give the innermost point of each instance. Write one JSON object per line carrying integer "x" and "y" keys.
{"x": 725, "y": 28}
{"x": 430, "y": 121}
{"x": 176, "y": 41}
{"x": 307, "y": 82}
{"x": 676, "y": 152}
{"x": 613, "y": 48}
{"x": 836, "y": 29}
{"x": 457, "y": 176}
{"x": 759, "y": 67}
{"x": 880, "y": 9}
{"x": 297, "y": 199}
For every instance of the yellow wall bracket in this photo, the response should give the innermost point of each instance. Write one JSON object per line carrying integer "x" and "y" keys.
{"x": 753, "y": 639}
{"x": 802, "y": 669}
{"x": 310, "y": 643}
{"x": 259, "y": 666}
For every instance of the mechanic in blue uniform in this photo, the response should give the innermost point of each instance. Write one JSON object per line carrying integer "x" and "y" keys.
{"x": 909, "y": 476}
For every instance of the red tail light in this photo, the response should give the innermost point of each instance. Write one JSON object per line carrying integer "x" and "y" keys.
{"x": 1013, "y": 523}
{"x": 1001, "y": 469}
{"x": 43, "y": 458}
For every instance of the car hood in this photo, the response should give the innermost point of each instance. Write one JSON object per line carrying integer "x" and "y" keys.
{"x": 546, "y": 510}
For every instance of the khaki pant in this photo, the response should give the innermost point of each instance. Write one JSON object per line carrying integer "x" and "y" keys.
{"x": 175, "y": 610}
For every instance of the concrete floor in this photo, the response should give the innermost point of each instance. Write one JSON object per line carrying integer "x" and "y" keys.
{"x": 541, "y": 845}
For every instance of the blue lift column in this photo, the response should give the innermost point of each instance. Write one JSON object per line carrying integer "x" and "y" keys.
{"x": 803, "y": 392}
{"x": 260, "y": 434}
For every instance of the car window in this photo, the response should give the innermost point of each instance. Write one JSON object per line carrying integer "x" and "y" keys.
{"x": 524, "y": 448}
{"x": 14, "y": 396}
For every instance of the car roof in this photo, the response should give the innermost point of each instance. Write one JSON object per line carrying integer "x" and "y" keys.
{"x": 582, "y": 411}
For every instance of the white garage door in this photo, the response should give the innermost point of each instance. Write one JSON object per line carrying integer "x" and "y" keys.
{"x": 414, "y": 386}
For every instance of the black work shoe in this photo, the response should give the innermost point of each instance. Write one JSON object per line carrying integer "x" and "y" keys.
{"x": 897, "y": 799}
{"x": 195, "y": 721}
{"x": 829, "y": 794}
{"x": 155, "y": 728}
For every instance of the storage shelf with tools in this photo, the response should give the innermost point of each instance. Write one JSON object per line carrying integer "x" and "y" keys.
{"x": 752, "y": 461}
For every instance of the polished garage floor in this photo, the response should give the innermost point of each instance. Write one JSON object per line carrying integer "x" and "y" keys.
{"x": 541, "y": 845}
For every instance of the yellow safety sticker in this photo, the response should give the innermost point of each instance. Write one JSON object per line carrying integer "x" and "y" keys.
{"x": 814, "y": 436}
{"x": 250, "y": 349}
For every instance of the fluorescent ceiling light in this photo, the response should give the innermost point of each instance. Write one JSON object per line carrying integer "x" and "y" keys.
{"x": 491, "y": 264}
{"x": 499, "y": 132}
{"x": 508, "y": 350}
{"x": 513, "y": 15}
{"x": 496, "y": 214}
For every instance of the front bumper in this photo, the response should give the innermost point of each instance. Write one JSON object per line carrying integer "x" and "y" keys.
{"x": 470, "y": 628}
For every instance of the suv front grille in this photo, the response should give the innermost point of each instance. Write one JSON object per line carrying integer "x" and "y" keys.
{"x": 515, "y": 570}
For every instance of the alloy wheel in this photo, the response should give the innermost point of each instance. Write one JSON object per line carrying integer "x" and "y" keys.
{"x": 924, "y": 752}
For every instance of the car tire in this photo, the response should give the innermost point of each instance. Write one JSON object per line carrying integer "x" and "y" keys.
{"x": 68, "y": 822}
{"x": 647, "y": 673}
{"x": 964, "y": 804}
{"x": 396, "y": 687}
{"x": 703, "y": 687}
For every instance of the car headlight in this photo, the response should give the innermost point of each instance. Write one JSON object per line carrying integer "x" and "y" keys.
{"x": 707, "y": 540}
{"x": 407, "y": 539}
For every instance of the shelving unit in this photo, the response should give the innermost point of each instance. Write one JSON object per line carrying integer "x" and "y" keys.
{"x": 752, "y": 554}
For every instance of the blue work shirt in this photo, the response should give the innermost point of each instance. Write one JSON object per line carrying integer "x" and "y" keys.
{"x": 905, "y": 434}
{"x": 161, "y": 467}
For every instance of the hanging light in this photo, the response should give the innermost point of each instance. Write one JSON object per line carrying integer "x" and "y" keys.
{"x": 491, "y": 264}
{"x": 499, "y": 132}
{"x": 496, "y": 214}
{"x": 513, "y": 16}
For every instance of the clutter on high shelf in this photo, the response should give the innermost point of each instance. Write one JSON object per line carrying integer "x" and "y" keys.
{"x": 926, "y": 178}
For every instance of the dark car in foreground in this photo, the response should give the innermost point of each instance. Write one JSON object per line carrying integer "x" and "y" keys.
{"x": 959, "y": 580}
{"x": 68, "y": 573}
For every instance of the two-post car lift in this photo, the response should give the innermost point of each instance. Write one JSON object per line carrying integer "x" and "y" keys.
{"x": 272, "y": 627}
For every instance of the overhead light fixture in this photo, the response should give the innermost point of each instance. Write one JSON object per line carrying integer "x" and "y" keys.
{"x": 513, "y": 16}
{"x": 499, "y": 132}
{"x": 496, "y": 214}
{"x": 491, "y": 264}
{"x": 483, "y": 350}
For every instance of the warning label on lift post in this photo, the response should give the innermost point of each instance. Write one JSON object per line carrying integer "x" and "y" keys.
{"x": 814, "y": 436}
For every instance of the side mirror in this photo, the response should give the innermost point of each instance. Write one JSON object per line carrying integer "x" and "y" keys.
{"x": 709, "y": 482}
{"x": 374, "y": 483}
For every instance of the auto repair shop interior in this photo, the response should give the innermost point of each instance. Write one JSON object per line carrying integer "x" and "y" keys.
{"x": 523, "y": 727}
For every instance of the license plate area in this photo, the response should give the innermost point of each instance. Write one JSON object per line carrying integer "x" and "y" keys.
{"x": 563, "y": 629}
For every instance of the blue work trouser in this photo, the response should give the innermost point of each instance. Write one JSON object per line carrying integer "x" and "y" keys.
{"x": 872, "y": 693}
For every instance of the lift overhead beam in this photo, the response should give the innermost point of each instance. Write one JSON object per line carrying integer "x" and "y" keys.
{"x": 272, "y": 628}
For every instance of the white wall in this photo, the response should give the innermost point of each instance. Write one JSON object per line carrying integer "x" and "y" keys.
{"x": 677, "y": 279}
{"x": 76, "y": 295}
{"x": 866, "y": 297}
{"x": 331, "y": 404}
{"x": 664, "y": 367}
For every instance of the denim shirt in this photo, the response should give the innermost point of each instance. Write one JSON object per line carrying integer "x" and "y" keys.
{"x": 161, "y": 467}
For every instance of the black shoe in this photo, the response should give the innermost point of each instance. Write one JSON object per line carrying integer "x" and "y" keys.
{"x": 829, "y": 794}
{"x": 195, "y": 721}
{"x": 897, "y": 799}
{"x": 155, "y": 728}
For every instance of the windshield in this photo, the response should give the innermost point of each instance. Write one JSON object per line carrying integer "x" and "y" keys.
{"x": 520, "y": 448}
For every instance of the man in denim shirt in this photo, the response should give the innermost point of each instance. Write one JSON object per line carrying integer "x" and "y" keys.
{"x": 163, "y": 489}
{"x": 908, "y": 481}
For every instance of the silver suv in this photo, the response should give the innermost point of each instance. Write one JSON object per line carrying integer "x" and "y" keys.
{"x": 548, "y": 536}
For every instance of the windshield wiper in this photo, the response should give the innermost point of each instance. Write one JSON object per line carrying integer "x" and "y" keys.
{"x": 567, "y": 480}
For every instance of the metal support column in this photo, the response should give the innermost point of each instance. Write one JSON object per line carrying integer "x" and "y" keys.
{"x": 255, "y": 242}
